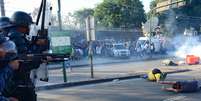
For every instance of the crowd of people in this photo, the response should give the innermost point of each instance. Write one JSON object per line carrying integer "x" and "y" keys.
{"x": 103, "y": 47}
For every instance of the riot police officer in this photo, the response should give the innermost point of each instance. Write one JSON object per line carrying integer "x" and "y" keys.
{"x": 25, "y": 88}
{"x": 8, "y": 64}
{"x": 5, "y": 25}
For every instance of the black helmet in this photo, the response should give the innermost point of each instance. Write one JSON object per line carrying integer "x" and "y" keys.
{"x": 5, "y": 22}
{"x": 21, "y": 18}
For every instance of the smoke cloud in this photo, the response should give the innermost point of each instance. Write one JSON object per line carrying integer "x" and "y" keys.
{"x": 186, "y": 45}
{"x": 170, "y": 22}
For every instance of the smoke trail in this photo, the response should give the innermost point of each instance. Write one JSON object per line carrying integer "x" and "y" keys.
{"x": 170, "y": 22}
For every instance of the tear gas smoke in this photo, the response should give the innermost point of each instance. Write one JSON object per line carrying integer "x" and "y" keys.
{"x": 183, "y": 45}
{"x": 170, "y": 22}
{"x": 187, "y": 46}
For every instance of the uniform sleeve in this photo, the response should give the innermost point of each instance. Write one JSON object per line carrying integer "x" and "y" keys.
{"x": 2, "y": 81}
{"x": 30, "y": 65}
{"x": 4, "y": 75}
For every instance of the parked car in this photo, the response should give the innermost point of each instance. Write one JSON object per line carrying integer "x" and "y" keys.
{"x": 120, "y": 50}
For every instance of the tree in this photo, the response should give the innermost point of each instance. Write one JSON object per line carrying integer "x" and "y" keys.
{"x": 120, "y": 13}
{"x": 82, "y": 14}
{"x": 152, "y": 5}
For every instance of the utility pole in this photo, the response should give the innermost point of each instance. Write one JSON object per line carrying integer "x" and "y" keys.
{"x": 2, "y": 8}
{"x": 90, "y": 31}
{"x": 59, "y": 14}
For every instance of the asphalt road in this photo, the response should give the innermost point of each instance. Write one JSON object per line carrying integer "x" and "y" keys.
{"x": 107, "y": 70}
{"x": 128, "y": 90}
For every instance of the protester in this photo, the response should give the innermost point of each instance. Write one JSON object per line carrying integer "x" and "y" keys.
{"x": 155, "y": 75}
{"x": 182, "y": 86}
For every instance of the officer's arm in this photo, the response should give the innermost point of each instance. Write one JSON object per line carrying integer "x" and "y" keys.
{"x": 3, "y": 85}
{"x": 167, "y": 82}
{"x": 28, "y": 66}
{"x": 171, "y": 90}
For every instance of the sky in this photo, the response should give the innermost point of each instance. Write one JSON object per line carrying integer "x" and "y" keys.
{"x": 66, "y": 5}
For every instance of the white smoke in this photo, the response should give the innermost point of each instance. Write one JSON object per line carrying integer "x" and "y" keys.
{"x": 187, "y": 46}
{"x": 184, "y": 45}
{"x": 170, "y": 24}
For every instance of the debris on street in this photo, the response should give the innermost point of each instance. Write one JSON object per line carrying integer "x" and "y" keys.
{"x": 169, "y": 63}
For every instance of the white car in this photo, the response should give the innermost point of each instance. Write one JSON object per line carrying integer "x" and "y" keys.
{"x": 119, "y": 50}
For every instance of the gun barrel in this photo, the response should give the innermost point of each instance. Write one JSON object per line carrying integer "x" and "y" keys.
{"x": 35, "y": 57}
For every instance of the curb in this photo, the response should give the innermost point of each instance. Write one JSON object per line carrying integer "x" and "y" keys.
{"x": 96, "y": 81}
{"x": 82, "y": 83}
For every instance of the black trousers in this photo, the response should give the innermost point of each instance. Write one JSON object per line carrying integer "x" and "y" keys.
{"x": 25, "y": 94}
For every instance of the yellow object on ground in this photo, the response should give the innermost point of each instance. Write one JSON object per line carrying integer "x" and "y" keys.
{"x": 154, "y": 77}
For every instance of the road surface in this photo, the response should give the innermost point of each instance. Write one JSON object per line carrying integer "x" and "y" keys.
{"x": 128, "y": 90}
{"x": 108, "y": 70}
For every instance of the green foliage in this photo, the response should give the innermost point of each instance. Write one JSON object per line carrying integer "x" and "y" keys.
{"x": 82, "y": 14}
{"x": 120, "y": 13}
{"x": 153, "y": 4}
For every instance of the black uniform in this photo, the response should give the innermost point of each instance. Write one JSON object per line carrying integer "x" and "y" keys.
{"x": 25, "y": 88}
